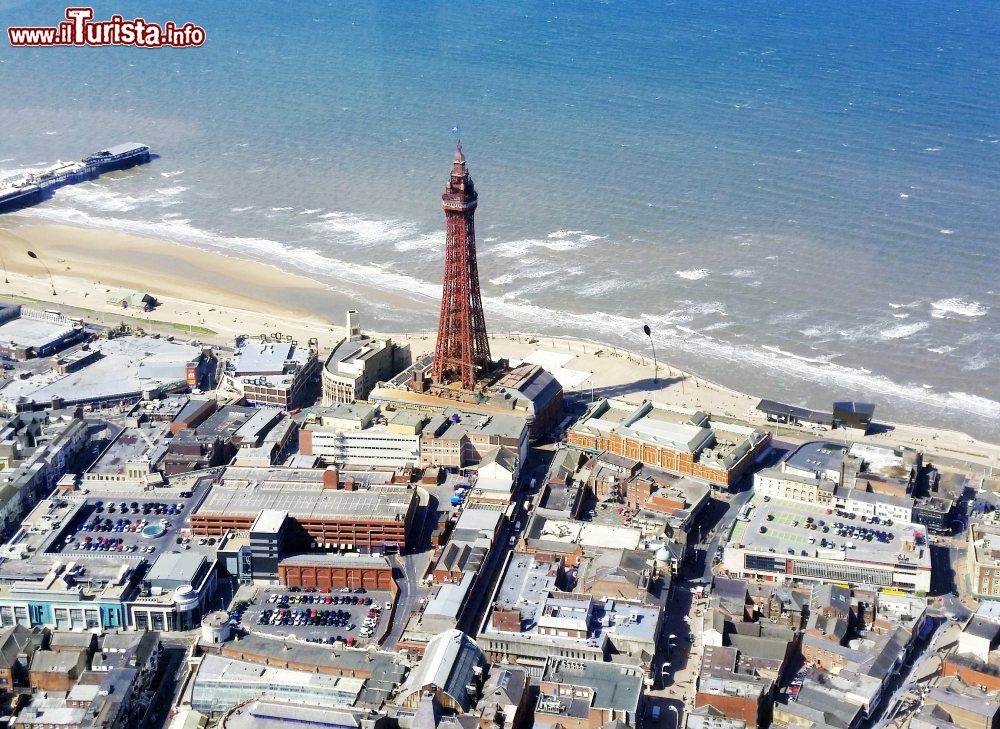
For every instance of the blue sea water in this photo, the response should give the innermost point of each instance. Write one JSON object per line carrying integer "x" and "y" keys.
{"x": 800, "y": 199}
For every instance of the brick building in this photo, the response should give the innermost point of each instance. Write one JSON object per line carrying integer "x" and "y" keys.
{"x": 326, "y": 509}
{"x": 371, "y": 572}
{"x": 680, "y": 441}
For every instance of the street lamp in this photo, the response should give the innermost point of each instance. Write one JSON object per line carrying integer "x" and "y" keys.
{"x": 677, "y": 715}
{"x": 656, "y": 367}
{"x": 32, "y": 254}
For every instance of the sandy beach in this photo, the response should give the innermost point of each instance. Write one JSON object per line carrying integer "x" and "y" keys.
{"x": 214, "y": 298}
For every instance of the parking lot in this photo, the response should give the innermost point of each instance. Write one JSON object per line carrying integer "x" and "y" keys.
{"x": 316, "y": 616}
{"x": 801, "y": 528}
{"x": 124, "y": 526}
{"x": 811, "y": 530}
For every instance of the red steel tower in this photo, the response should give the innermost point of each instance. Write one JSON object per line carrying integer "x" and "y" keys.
{"x": 463, "y": 349}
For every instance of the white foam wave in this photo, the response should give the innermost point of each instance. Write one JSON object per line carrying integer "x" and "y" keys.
{"x": 170, "y": 191}
{"x": 979, "y": 361}
{"x": 172, "y": 174}
{"x": 695, "y": 274}
{"x": 100, "y": 198}
{"x": 943, "y": 349}
{"x": 946, "y": 231}
{"x": 560, "y": 241}
{"x": 358, "y": 230}
{"x": 430, "y": 243}
{"x": 955, "y": 305}
{"x": 742, "y": 273}
{"x": 903, "y": 331}
{"x": 900, "y": 316}
{"x": 281, "y": 209}
{"x": 798, "y": 357}
{"x": 525, "y": 274}
{"x": 818, "y": 331}
{"x": 242, "y": 209}
{"x": 599, "y": 288}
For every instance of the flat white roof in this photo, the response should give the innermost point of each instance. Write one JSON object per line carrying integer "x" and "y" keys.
{"x": 27, "y": 332}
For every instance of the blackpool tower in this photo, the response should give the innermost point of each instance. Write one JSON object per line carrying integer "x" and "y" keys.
{"x": 462, "y": 352}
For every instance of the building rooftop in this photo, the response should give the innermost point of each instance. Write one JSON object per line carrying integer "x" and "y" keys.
{"x": 449, "y": 662}
{"x": 215, "y": 669}
{"x": 588, "y": 534}
{"x": 269, "y": 521}
{"x": 712, "y": 444}
{"x": 273, "y": 363}
{"x": 617, "y": 687}
{"x": 144, "y": 441}
{"x": 816, "y": 457}
{"x": 300, "y": 492}
{"x": 456, "y": 424}
{"x": 781, "y": 535}
{"x": 530, "y": 587}
{"x": 985, "y": 540}
{"x": 28, "y": 331}
{"x": 126, "y": 367}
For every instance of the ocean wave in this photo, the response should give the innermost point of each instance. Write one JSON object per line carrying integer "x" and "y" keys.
{"x": 170, "y": 191}
{"x": 742, "y": 273}
{"x": 798, "y": 357}
{"x": 172, "y": 174}
{"x": 358, "y": 230}
{"x": 716, "y": 326}
{"x": 561, "y": 241}
{"x": 695, "y": 274}
{"x": 105, "y": 200}
{"x": 903, "y": 331}
{"x": 243, "y": 209}
{"x": 943, "y": 349}
{"x": 979, "y": 361}
{"x": 818, "y": 331}
{"x": 955, "y": 305}
{"x": 430, "y": 243}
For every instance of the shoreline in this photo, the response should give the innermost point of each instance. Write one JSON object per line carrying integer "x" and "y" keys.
{"x": 222, "y": 296}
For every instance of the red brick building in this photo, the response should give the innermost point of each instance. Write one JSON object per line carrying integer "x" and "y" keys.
{"x": 335, "y": 571}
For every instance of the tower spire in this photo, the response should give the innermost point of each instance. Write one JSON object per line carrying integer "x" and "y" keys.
{"x": 462, "y": 352}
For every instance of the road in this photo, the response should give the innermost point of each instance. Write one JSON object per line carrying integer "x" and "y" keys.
{"x": 890, "y": 706}
{"x": 720, "y": 532}
{"x": 534, "y": 470}
{"x": 172, "y": 668}
{"x": 410, "y": 568}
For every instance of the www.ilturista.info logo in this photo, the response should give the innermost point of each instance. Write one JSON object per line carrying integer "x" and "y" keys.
{"x": 80, "y": 29}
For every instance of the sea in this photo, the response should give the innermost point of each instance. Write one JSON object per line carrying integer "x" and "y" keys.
{"x": 801, "y": 200}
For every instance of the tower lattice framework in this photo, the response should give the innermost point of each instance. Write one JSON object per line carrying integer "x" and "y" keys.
{"x": 463, "y": 349}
